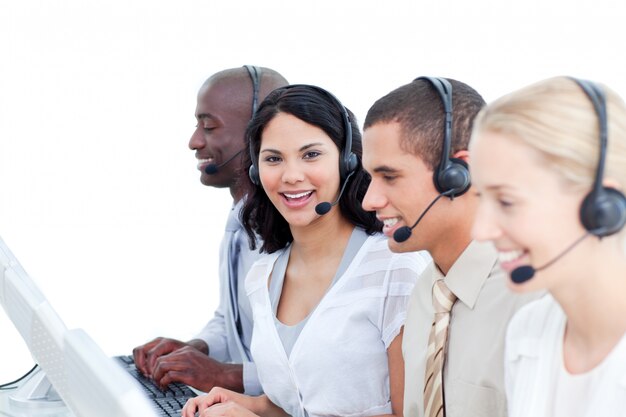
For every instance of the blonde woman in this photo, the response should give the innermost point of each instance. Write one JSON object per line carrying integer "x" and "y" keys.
{"x": 549, "y": 164}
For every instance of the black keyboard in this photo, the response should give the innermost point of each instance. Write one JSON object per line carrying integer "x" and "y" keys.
{"x": 169, "y": 402}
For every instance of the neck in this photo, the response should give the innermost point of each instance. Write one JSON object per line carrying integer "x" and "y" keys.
{"x": 454, "y": 235}
{"x": 236, "y": 193}
{"x": 592, "y": 298}
{"x": 326, "y": 236}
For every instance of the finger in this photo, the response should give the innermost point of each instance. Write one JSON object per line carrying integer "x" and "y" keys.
{"x": 139, "y": 354}
{"x": 208, "y": 400}
{"x": 190, "y": 407}
{"x": 158, "y": 350}
{"x": 171, "y": 376}
{"x": 167, "y": 364}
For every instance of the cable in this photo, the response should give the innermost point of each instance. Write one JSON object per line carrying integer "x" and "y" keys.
{"x": 7, "y": 387}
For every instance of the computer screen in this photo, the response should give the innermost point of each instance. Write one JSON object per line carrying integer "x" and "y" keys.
{"x": 75, "y": 372}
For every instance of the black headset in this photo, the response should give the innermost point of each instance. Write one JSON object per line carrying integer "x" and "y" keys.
{"x": 348, "y": 161}
{"x": 451, "y": 176}
{"x": 603, "y": 211}
{"x": 255, "y": 75}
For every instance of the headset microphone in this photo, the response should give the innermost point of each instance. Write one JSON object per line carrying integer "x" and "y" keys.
{"x": 324, "y": 207}
{"x": 212, "y": 169}
{"x": 523, "y": 273}
{"x": 404, "y": 233}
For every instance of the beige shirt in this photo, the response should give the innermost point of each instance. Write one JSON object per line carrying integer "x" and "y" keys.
{"x": 474, "y": 368}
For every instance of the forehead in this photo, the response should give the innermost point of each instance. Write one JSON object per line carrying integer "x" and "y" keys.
{"x": 223, "y": 97}
{"x": 286, "y": 130}
{"x": 502, "y": 159}
{"x": 383, "y": 145}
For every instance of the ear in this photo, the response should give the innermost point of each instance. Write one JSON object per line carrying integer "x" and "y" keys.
{"x": 462, "y": 155}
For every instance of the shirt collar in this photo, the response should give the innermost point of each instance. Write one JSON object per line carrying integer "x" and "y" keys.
{"x": 470, "y": 271}
{"x": 232, "y": 223}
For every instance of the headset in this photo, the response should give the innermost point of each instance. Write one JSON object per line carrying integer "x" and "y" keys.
{"x": 451, "y": 177}
{"x": 603, "y": 210}
{"x": 348, "y": 161}
{"x": 255, "y": 75}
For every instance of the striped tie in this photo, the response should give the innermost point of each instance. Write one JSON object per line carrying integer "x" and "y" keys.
{"x": 443, "y": 300}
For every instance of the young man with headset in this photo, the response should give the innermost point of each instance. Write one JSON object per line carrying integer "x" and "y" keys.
{"x": 415, "y": 148}
{"x": 220, "y": 354}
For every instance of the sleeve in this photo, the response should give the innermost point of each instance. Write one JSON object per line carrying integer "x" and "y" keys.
{"x": 402, "y": 276}
{"x": 214, "y": 334}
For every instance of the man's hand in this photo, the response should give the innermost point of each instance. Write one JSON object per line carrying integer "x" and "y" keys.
{"x": 169, "y": 360}
{"x": 145, "y": 356}
{"x": 193, "y": 367}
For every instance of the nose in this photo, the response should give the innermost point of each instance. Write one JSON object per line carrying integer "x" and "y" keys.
{"x": 197, "y": 140}
{"x": 485, "y": 225}
{"x": 292, "y": 172}
{"x": 374, "y": 198}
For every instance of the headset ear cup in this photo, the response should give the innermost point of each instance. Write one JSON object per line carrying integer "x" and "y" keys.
{"x": 254, "y": 175}
{"x": 604, "y": 214}
{"x": 455, "y": 176}
{"x": 350, "y": 165}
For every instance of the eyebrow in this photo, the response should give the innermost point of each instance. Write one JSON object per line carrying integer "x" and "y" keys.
{"x": 385, "y": 169}
{"x": 203, "y": 116}
{"x": 498, "y": 187}
{"x": 303, "y": 148}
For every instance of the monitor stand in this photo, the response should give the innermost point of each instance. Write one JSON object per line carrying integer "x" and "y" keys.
{"x": 36, "y": 392}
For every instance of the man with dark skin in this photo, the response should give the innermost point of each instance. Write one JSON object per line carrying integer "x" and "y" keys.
{"x": 220, "y": 354}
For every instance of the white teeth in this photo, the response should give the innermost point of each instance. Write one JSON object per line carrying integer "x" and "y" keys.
{"x": 510, "y": 255}
{"x": 390, "y": 222}
{"x": 299, "y": 195}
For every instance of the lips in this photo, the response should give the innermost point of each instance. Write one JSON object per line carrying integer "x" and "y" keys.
{"x": 511, "y": 259}
{"x": 390, "y": 224}
{"x": 203, "y": 162}
{"x": 296, "y": 199}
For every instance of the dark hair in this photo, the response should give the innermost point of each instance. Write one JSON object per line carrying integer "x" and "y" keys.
{"x": 418, "y": 108}
{"x": 311, "y": 105}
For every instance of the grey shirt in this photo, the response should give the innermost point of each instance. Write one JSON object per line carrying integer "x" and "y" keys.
{"x": 229, "y": 332}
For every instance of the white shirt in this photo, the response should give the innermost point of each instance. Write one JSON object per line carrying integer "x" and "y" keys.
{"x": 533, "y": 360}
{"x": 338, "y": 365}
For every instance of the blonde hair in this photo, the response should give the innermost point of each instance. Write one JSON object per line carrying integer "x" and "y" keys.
{"x": 556, "y": 118}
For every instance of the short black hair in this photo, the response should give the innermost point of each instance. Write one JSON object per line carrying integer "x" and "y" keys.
{"x": 311, "y": 105}
{"x": 418, "y": 108}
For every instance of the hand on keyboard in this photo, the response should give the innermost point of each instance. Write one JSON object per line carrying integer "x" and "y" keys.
{"x": 169, "y": 401}
{"x": 169, "y": 360}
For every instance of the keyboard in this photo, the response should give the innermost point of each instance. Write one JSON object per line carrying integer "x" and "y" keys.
{"x": 168, "y": 402}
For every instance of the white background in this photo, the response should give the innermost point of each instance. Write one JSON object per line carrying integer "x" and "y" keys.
{"x": 99, "y": 195}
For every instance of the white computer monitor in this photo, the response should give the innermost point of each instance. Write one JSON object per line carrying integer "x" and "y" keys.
{"x": 75, "y": 372}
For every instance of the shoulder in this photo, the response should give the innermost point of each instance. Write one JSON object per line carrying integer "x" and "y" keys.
{"x": 534, "y": 327}
{"x": 260, "y": 271}
{"x": 378, "y": 252}
{"x": 534, "y": 318}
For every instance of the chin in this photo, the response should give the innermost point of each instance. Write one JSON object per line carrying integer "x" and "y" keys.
{"x": 524, "y": 287}
{"x": 400, "y": 247}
